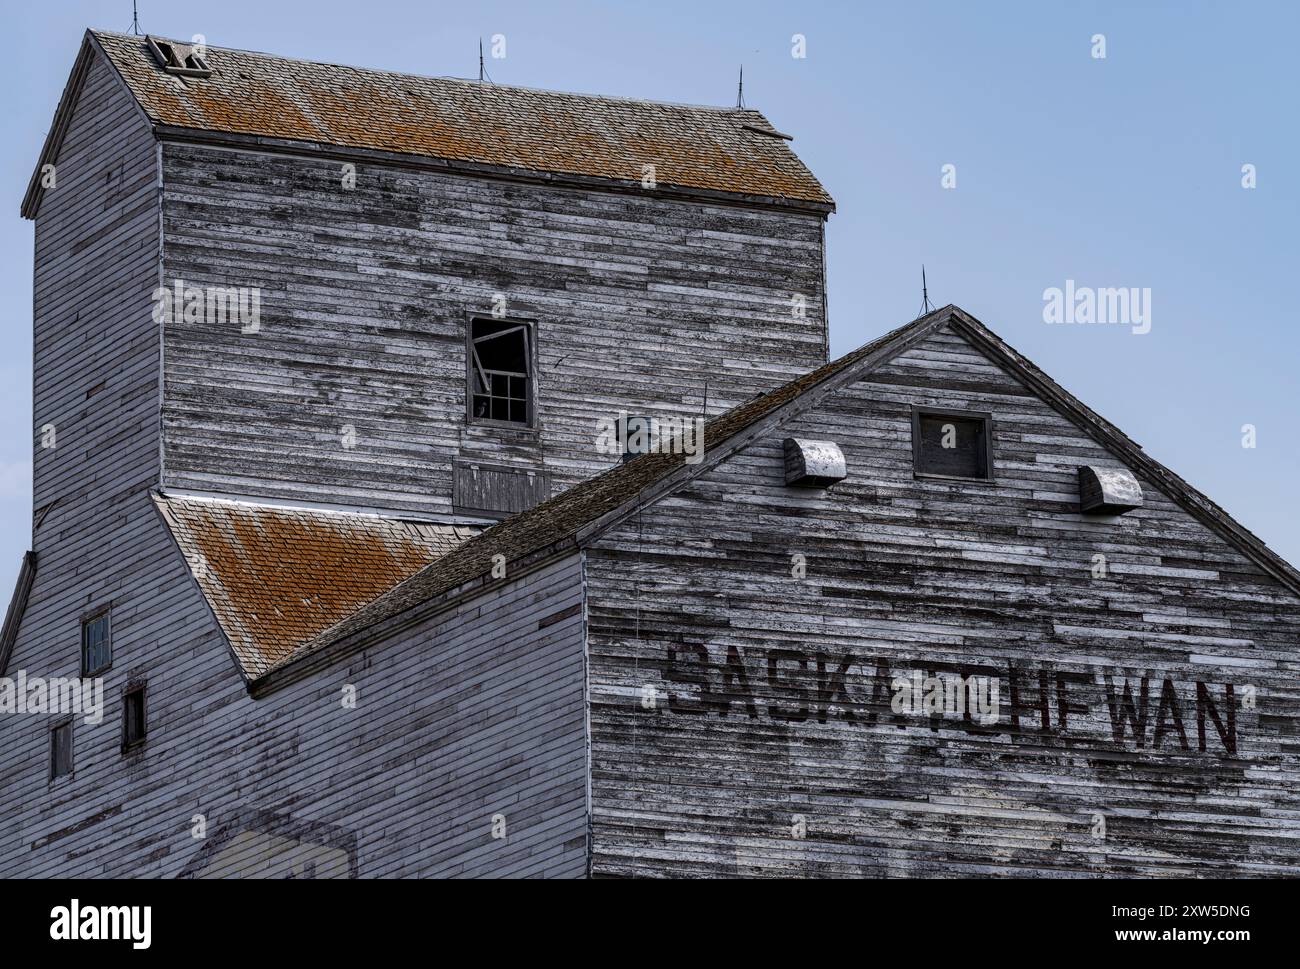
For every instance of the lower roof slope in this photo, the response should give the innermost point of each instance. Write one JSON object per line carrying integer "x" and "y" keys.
{"x": 275, "y": 577}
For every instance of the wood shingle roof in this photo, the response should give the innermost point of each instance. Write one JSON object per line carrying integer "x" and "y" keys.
{"x": 503, "y": 127}
{"x": 275, "y": 577}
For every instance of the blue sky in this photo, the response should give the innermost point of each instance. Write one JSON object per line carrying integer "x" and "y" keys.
{"x": 1115, "y": 172}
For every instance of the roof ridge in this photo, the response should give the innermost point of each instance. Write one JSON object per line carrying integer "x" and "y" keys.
{"x": 486, "y": 85}
{"x": 1110, "y": 436}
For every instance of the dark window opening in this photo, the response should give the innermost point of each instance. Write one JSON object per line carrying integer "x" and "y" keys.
{"x": 61, "y": 750}
{"x": 500, "y": 377}
{"x": 96, "y": 645}
{"x": 134, "y": 726}
{"x": 949, "y": 444}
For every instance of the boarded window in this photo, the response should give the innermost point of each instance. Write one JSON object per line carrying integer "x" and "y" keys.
{"x": 61, "y": 750}
{"x": 501, "y": 372}
{"x": 134, "y": 726}
{"x": 96, "y": 645}
{"x": 494, "y": 492}
{"x": 950, "y": 444}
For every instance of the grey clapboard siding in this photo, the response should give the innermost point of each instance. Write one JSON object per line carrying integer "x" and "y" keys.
{"x": 365, "y": 299}
{"x": 480, "y": 713}
{"x": 96, "y": 380}
{"x": 95, "y": 345}
{"x": 769, "y": 707}
{"x": 476, "y": 713}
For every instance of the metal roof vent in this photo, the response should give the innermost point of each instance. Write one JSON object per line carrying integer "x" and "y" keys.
{"x": 1108, "y": 491}
{"x": 813, "y": 464}
{"x": 186, "y": 60}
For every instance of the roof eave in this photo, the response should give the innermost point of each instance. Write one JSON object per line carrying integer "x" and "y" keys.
{"x": 90, "y": 48}
{"x": 17, "y": 608}
{"x": 62, "y": 117}
{"x": 178, "y": 134}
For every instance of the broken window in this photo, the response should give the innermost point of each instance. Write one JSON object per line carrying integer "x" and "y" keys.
{"x": 501, "y": 372}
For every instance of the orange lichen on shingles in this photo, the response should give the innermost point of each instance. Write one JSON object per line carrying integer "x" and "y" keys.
{"x": 259, "y": 106}
{"x": 512, "y": 127}
{"x": 277, "y": 577}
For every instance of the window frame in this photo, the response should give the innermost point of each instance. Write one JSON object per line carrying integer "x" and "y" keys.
{"x": 530, "y": 331}
{"x": 133, "y": 688}
{"x": 72, "y": 758}
{"x": 105, "y": 613}
{"x": 919, "y": 411}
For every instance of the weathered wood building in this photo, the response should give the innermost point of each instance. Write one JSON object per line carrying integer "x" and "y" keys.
{"x": 367, "y": 598}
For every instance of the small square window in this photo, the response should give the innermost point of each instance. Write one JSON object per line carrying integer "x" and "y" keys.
{"x": 501, "y": 372}
{"x": 134, "y": 724}
{"x": 952, "y": 444}
{"x": 61, "y": 750}
{"x": 96, "y": 645}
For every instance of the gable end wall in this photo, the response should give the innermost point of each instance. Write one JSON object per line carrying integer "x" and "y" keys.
{"x": 771, "y": 704}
